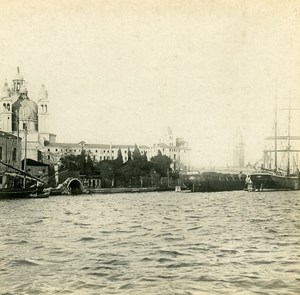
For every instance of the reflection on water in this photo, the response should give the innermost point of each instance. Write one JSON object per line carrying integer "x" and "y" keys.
{"x": 152, "y": 243}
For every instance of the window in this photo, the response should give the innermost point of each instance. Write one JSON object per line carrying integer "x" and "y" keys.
{"x": 48, "y": 150}
{"x": 48, "y": 157}
{"x": 100, "y": 158}
{"x": 112, "y": 157}
{"x": 44, "y": 170}
{"x": 56, "y": 150}
{"x": 1, "y": 179}
{"x": 96, "y": 151}
{"x": 14, "y": 155}
{"x": 0, "y": 152}
{"x": 104, "y": 158}
{"x": 125, "y": 158}
{"x": 112, "y": 151}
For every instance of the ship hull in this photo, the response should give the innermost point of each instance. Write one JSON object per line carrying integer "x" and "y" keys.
{"x": 14, "y": 193}
{"x": 263, "y": 180}
{"x": 214, "y": 182}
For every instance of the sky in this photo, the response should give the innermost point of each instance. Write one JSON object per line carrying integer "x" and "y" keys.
{"x": 122, "y": 71}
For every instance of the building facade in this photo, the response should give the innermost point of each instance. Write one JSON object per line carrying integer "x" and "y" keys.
{"x": 98, "y": 152}
{"x": 8, "y": 154}
{"x": 28, "y": 119}
{"x": 175, "y": 148}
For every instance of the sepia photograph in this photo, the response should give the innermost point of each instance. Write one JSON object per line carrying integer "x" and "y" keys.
{"x": 150, "y": 147}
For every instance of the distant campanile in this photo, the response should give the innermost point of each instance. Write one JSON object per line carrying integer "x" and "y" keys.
{"x": 239, "y": 150}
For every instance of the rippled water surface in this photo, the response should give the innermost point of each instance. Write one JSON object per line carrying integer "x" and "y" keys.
{"x": 152, "y": 243}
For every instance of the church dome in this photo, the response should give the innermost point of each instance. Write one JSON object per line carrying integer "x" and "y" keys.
{"x": 26, "y": 110}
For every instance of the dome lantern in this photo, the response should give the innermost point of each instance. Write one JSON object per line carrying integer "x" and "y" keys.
{"x": 18, "y": 81}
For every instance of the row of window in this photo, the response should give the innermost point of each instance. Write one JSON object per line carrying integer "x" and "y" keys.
{"x": 96, "y": 151}
{"x": 100, "y": 158}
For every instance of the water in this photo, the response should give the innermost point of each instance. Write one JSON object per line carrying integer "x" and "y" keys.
{"x": 152, "y": 243}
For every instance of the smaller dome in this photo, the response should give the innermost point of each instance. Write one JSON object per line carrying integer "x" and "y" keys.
{"x": 43, "y": 92}
{"x": 5, "y": 91}
{"x": 23, "y": 89}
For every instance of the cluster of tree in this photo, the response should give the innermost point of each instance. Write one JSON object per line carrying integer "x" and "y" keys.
{"x": 117, "y": 173}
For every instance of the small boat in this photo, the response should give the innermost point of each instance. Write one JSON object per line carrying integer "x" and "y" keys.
{"x": 15, "y": 188}
{"x": 45, "y": 193}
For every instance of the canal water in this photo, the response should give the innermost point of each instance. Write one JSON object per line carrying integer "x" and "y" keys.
{"x": 152, "y": 243}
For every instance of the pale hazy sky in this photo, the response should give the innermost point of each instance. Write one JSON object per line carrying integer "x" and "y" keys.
{"x": 122, "y": 71}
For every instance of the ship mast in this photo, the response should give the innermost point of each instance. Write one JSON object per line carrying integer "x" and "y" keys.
{"x": 275, "y": 127}
{"x": 289, "y": 138}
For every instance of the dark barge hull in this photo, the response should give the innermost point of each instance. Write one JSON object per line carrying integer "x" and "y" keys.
{"x": 15, "y": 193}
{"x": 214, "y": 182}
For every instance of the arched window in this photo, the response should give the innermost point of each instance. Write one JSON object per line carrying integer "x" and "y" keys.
{"x": 42, "y": 106}
{"x": 45, "y": 108}
{"x": 8, "y": 107}
{"x": 4, "y": 105}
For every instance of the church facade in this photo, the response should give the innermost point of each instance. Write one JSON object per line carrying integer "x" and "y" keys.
{"x": 25, "y": 118}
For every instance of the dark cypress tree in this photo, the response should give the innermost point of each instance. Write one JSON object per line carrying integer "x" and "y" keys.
{"x": 129, "y": 155}
{"x": 136, "y": 154}
{"x": 119, "y": 160}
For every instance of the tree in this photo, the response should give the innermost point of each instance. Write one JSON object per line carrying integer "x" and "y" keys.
{"x": 129, "y": 155}
{"x": 144, "y": 157}
{"x": 107, "y": 172}
{"x": 161, "y": 164}
{"x": 70, "y": 162}
{"x": 136, "y": 154}
{"x": 119, "y": 160}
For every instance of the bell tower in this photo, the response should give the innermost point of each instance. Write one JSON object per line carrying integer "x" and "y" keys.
{"x": 6, "y": 109}
{"x": 43, "y": 111}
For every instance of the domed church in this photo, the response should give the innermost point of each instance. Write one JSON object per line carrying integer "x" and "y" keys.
{"x": 23, "y": 117}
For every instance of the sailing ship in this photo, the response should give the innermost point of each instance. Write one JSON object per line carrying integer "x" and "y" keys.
{"x": 276, "y": 178}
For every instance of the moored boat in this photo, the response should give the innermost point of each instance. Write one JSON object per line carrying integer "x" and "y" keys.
{"x": 278, "y": 178}
{"x": 213, "y": 181}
